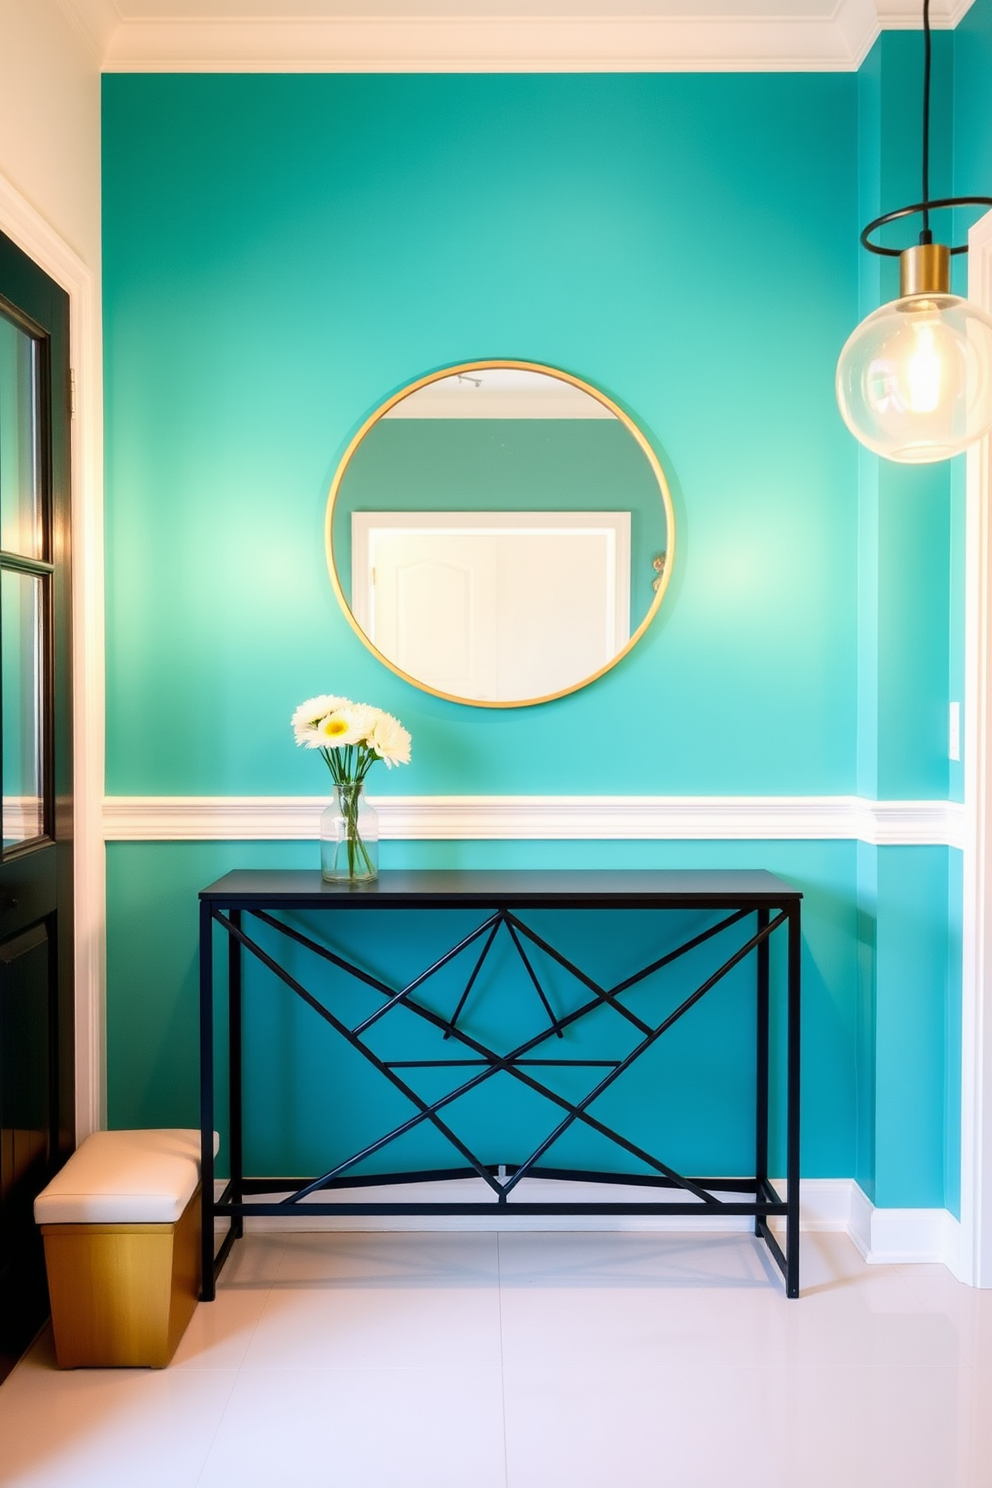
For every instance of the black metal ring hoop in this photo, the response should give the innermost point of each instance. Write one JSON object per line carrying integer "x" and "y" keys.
{"x": 927, "y": 206}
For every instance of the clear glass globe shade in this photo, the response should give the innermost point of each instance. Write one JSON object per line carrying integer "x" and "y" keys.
{"x": 914, "y": 381}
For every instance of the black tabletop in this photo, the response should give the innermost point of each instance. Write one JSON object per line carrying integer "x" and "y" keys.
{"x": 484, "y": 887}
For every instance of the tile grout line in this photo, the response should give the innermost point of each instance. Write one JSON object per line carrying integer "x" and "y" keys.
{"x": 237, "y": 1375}
{"x": 502, "y": 1369}
{"x": 216, "y": 1431}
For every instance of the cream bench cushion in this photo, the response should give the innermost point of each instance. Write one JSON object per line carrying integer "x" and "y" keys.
{"x": 125, "y": 1177}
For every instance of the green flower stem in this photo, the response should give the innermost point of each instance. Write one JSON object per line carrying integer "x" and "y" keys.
{"x": 349, "y": 767}
{"x": 359, "y": 861}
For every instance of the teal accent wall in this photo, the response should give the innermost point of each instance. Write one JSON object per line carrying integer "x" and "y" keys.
{"x": 972, "y": 121}
{"x": 280, "y": 254}
{"x": 910, "y": 661}
{"x": 910, "y": 1025}
{"x": 904, "y": 511}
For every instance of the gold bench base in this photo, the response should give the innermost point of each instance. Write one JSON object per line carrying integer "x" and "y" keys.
{"x": 122, "y": 1294}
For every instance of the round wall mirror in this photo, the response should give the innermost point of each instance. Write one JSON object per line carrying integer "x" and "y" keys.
{"x": 500, "y": 533}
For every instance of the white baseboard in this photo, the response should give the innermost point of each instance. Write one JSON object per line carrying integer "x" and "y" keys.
{"x": 859, "y": 1219}
{"x": 898, "y": 1236}
{"x": 883, "y": 1236}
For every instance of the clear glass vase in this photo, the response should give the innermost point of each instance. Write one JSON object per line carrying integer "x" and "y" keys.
{"x": 349, "y": 837}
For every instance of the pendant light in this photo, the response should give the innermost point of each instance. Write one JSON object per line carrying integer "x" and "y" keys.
{"x": 914, "y": 381}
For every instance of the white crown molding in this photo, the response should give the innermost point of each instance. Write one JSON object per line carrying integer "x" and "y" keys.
{"x": 544, "y": 818}
{"x": 26, "y": 227}
{"x": 94, "y": 21}
{"x": 484, "y": 44}
{"x": 898, "y": 15}
{"x": 759, "y": 42}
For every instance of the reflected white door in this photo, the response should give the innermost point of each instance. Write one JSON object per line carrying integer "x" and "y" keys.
{"x": 499, "y": 606}
{"x": 434, "y": 608}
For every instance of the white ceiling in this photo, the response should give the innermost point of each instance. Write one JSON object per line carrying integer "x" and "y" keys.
{"x": 491, "y": 35}
{"x": 499, "y": 393}
{"x": 132, "y": 10}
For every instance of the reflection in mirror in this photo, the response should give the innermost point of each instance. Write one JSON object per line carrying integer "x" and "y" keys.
{"x": 20, "y": 442}
{"x": 500, "y": 534}
{"x": 21, "y": 701}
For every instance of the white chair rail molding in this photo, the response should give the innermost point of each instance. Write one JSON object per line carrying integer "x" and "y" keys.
{"x": 494, "y": 818}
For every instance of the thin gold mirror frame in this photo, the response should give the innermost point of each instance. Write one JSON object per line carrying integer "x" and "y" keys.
{"x": 479, "y": 366}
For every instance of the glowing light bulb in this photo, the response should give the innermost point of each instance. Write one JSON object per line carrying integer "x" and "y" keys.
{"x": 923, "y": 372}
{"x": 914, "y": 381}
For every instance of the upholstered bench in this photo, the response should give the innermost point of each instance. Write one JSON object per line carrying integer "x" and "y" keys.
{"x": 121, "y": 1225}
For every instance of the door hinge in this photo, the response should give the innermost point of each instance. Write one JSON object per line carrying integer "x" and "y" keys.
{"x": 72, "y": 392}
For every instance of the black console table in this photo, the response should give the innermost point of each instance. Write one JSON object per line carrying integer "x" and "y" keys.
{"x": 746, "y": 909}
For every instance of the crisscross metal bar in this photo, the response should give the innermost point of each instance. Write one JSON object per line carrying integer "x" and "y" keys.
{"x": 495, "y": 1063}
{"x": 327, "y": 954}
{"x": 677, "y": 1179}
{"x": 682, "y": 950}
{"x": 756, "y": 940}
{"x": 418, "y": 981}
{"x": 493, "y": 1066}
{"x": 427, "y": 1113}
{"x": 602, "y": 994}
{"x": 638, "y": 976}
{"x": 511, "y": 927}
{"x": 475, "y": 972}
{"x": 509, "y": 1063}
{"x": 313, "y": 945}
{"x": 458, "y": 1063}
{"x": 417, "y": 1008}
{"x": 565, "y": 1021}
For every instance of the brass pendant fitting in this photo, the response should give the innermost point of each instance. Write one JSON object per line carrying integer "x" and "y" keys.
{"x": 925, "y": 269}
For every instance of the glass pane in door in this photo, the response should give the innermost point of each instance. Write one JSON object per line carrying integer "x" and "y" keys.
{"x": 22, "y": 681}
{"x": 20, "y": 443}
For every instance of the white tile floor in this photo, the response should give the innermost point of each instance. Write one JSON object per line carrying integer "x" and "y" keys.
{"x": 532, "y": 1361}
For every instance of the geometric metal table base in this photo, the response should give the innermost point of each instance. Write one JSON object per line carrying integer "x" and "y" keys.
{"x": 756, "y": 903}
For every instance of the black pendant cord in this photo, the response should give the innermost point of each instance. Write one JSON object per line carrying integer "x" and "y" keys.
{"x": 926, "y": 236}
{"x": 927, "y": 205}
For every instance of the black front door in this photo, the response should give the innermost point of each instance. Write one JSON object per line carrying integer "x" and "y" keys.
{"x": 36, "y": 981}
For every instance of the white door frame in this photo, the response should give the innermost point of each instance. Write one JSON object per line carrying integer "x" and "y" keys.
{"x": 29, "y": 230}
{"x": 975, "y": 1259}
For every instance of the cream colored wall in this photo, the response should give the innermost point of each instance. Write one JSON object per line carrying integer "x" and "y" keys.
{"x": 50, "y": 120}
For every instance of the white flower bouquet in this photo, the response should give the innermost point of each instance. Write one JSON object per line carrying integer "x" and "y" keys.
{"x": 351, "y": 737}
